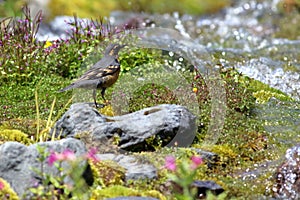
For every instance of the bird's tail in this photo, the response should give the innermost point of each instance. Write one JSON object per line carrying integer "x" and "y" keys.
{"x": 69, "y": 87}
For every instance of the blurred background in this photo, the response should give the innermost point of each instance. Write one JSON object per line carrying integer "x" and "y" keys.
{"x": 96, "y": 8}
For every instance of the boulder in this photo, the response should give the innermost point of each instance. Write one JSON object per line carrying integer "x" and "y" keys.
{"x": 162, "y": 125}
{"x": 19, "y": 162}
{"x": 135, "y": 170}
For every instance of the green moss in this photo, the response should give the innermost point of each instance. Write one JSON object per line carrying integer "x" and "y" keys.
{"x": 153, "y": 94}
{"x": 7, "y": 192}
{"x": 18, "y": 101}
{"x": 135, "y": 61}
{"x": 14, "y": 135}
{"x": 27, "y": 126}
{"x": 263, "y": 92}
{"x": 107, "y": 173}
{"x": 263, "y": 96}
{"x": 227, "y": 155}
{"x": 238, "y": 92}
{"x": 117, "y": 191}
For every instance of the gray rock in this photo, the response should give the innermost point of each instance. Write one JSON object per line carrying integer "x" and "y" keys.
{"x": 287, "y": 176}
{"x": 134, "y": 169}
{"x": 17, "y": 162}
{"x": 79, "y": 118}
{"x": 211, "y": 159}
{"x": 165, "y": 125}
{"x": 204, "y": 186}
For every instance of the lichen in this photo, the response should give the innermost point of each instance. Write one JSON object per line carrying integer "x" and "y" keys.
{"x": 107, "y": 173}
{"x": 118, "y": 190}
{"x": 264, "y": 96}
{"x": 14, "y": 135}
{"x": 6, "y": 192}
{"x": 107, "y": 110}
{"x": 227, "y": 154}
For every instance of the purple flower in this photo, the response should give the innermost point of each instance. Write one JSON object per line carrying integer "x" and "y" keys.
{"x": 170, "y": 163}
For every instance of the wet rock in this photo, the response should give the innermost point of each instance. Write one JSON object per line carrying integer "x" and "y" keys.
{"x": 204, "y": 186}
{"x": 17, "y": 162}
{"x": 211, "y": 159}
{"x": 163, "y": 125}
{"x": 135, "y": 170}
{"x": 287, "y": 185}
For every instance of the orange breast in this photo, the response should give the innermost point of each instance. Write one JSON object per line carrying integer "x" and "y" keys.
{"x": 109, "y": 80}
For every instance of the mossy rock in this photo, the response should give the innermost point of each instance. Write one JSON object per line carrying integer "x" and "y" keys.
{"x": 6, "y": 192}
{"x": 118, "y": 191}
{"x": 107, "y": 173}
{"x": 14, "y": 135}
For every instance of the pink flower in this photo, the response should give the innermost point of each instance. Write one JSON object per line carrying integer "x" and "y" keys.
{"x": 53, "y": 157}
{"x": 170, "y": 163}
{"x": 1, "y": 185}
{"x": 68, "y": 155}
{"x": 65, "y": 155}
{"x": 91, "y": 154}
{"x": 196, "y": 161}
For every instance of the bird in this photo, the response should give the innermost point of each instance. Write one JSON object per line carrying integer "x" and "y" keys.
{"x": 101, "y": 75}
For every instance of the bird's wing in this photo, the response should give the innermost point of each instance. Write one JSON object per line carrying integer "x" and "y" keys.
{"x": 98, "y": 73}
{"x": 109, "y": 58}
{"x": 94, "y": 76}
{"x": 104, "y": 62}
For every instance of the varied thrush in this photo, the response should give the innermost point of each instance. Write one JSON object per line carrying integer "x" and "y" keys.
{"x": 101, "y": 75}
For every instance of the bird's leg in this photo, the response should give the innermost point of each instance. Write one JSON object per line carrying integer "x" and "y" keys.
{"x": 102, "y": 94}
{"x": 94, "y": 97}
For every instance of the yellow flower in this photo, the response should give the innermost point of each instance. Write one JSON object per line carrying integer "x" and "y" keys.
{"x": 47, "y": 44}
{"x": 195, "y": 90}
